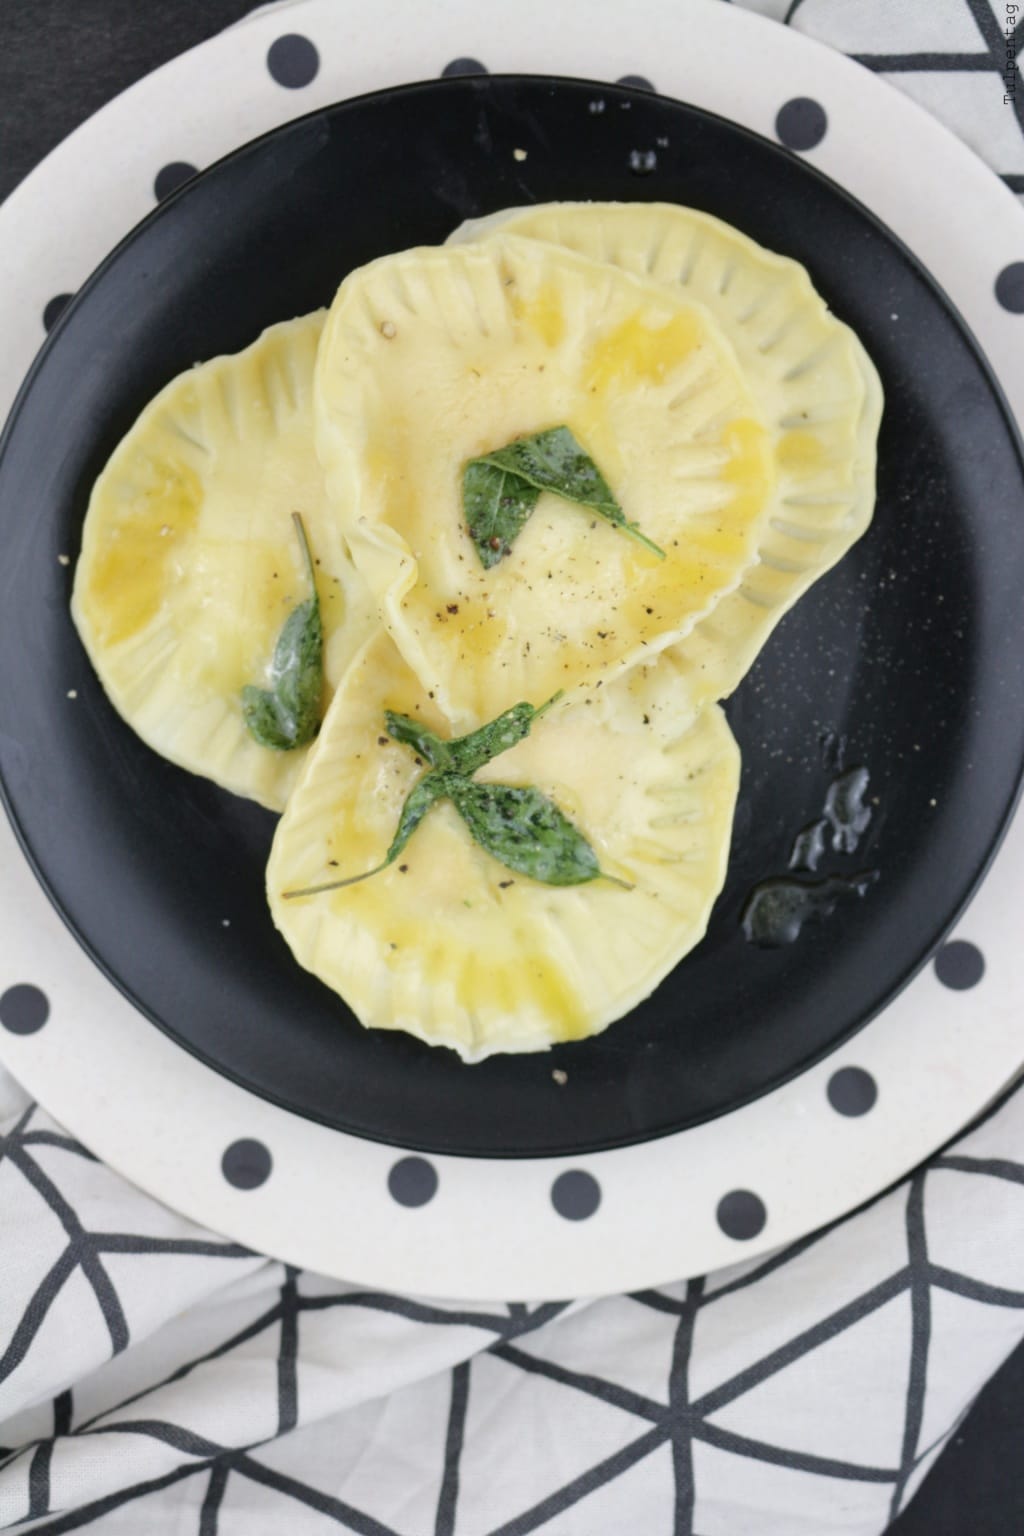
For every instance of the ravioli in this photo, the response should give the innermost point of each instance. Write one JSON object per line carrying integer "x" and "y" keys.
{"x": 811, "y": 378}
{"x": 190, "y": 563}
{"x": 448, "y": 943}
{"x": 432, "y": 358}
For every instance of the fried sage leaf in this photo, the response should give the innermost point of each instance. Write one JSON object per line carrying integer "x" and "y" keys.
{"x": 424, "y": 742}
{"x": 497, "y": 507}
{"x": 548, "y": 461}
{"x": 287, "y": 714}
{"x": 517, "y": 824}
{"x": 524, "y": 830}
{"x": 424, "y": 793}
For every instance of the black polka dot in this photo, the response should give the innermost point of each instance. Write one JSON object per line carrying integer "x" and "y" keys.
{"x": 575, "y": 1195}
{"x": 638, "y": 82}
{"x": 1010, "y": 287}
{"x": 801, "y": 123}
{"x": 171, "y": 178}
{"x": 293, "y": 61}
{"x": 413, "y": 1181}
{"x": 741, "y": 1214}
{"x": 959, "y": 965}
{"x": 247, "y": 1163}
{"x": 852, "y": 1091}
{"x": 463, "y": 67}
{"x": 23, "y": 1009}
{"x": 55, "y": 307}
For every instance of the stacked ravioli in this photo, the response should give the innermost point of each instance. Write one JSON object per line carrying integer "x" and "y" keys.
{"x": 732, "y": 421}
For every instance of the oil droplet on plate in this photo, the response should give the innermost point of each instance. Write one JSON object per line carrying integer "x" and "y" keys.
{"x": 845, "y": 810}
{"x": 778, "y": 909}
{"x": 595, "y": 107}
{"x": 643, "y": 161}
{"x": 809, "y": 847}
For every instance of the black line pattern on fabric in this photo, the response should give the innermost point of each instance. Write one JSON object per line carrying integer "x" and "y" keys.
{"x": 34, "y": 1316}
{"x": 39, "y": 1481}
{"x": 974, "y": 1290}
{"x": 679, "y": 1404}
{"x": 176, "y": 1436}
{"x": 768, "y": 1267}
{"x": 910, "y": 63}
{"x": 779, "y": 1456}
{"x": 608, "y": 1391}
{"x": 39, "y": 1467}
{"x": 677, "y": 1424}
{"x": 996, "y": 1167}
{"x": 130, "y": 1242}
{"x": 587, "y": 1482}
{"x": 416, "y": 1311}
{"x": 16, "y": 1134}
{"x": 999, "y": 56}
{"x": 97, "y": 1508}
{"x": 802, "y": 1344}
{"x": 53, "y": 1139}
{"x": 213, "y": 1499}
{"x": 243, "y": 1336}
{"x": 80, "y": 1244}
{"x": 63, "y": 1408}
{"x": 994, "y": 38}
{"x": 444, "y": 1524}
{"x": 920, "y": 1334}
{"x": 324, "y": 1503}
{"x": 287, "y": 1357}
{"x": 658, "y": 1302}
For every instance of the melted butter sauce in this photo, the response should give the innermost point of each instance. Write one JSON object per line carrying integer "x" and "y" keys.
{"x": 777, "y": 909}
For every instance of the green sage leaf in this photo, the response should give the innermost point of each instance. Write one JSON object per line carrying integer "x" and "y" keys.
{"x": 425, "y": 793}
{"x": 468, "y": 753}
{"x": 287, "y": 714}
{"x": 518, "y": 825}
{"x": 525, "y": 831}
{"x": 497, "y": 506}
{"x": 413, "y": 733}
{"x": 547, "y": 461}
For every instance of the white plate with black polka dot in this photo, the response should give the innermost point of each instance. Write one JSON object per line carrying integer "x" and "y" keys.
{"x": 618, "y": 1220}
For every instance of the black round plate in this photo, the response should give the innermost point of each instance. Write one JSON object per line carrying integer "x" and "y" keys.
{"x": 910, "y": 651}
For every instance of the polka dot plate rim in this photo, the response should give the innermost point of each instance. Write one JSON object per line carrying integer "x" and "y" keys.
{"x": 477, "y": 1227}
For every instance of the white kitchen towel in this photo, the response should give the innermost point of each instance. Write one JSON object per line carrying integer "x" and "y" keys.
{"x": 156, "y": 1378}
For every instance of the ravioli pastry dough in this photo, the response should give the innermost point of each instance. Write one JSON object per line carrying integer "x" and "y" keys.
{"x": 433, "y": 357}
{"x": 190, "y": 564}
{"x": 448, "y": 943}
{"x": 810, "y": 376}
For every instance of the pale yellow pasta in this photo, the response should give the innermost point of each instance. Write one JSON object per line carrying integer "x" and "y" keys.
{"x": 813, "y": 382}
{"x": 190, "y": 563}
{"x": 433, "y": 357}
{"x": 451, "y": 945}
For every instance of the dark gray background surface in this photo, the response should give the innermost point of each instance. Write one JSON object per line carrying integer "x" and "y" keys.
{"x": 60, "y": 60}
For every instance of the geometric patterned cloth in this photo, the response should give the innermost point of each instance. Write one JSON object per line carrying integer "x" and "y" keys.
{"x": 155, "y": 1378}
